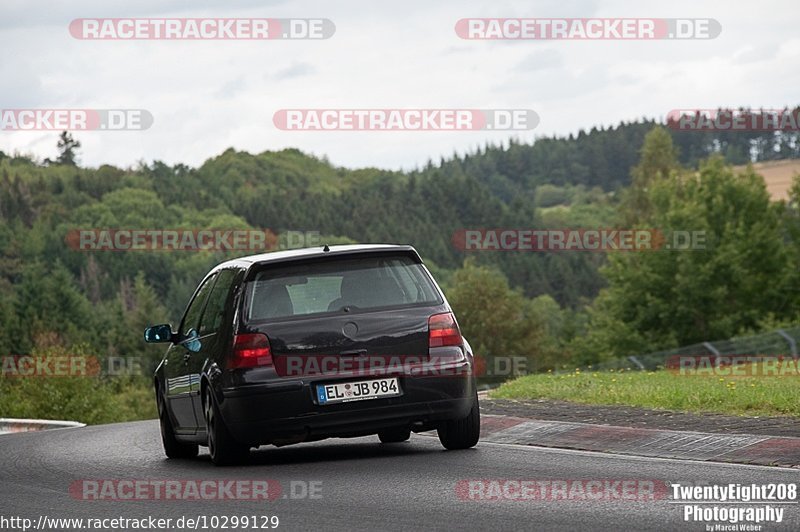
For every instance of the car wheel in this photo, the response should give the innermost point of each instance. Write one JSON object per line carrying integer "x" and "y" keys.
{"x": 462, "y": 433}
{"x": 172, "y": 447}
{"x": 395, "y": 435}
{"x": 222, "y": 447}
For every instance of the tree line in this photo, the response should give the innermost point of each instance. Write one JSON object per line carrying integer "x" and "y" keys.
{"x": 554, "y": 307}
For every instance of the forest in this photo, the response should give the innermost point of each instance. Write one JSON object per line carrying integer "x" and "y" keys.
{"x": 555, "y": 308}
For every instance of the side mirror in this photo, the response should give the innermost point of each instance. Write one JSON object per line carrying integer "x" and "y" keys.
{"x": 158, "y": 334}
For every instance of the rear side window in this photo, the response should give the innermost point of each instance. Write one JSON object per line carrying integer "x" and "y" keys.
{"x": 330, "y": 286}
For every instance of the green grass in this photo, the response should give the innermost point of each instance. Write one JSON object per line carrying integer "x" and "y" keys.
{"x": 744, "y": 396}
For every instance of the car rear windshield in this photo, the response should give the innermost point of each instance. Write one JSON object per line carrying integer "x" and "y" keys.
{"x": 332, "y": 286}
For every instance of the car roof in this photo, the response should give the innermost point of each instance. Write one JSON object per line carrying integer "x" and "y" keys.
{"x": 314, "y": 252}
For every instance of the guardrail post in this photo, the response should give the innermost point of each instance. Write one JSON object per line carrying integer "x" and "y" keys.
{"x": 792, "y": 342}
{"x": 711, "y": 348}
{"x": 636, "y": 361}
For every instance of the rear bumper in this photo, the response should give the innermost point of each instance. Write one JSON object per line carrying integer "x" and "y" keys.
{"x": 287, "y": 412}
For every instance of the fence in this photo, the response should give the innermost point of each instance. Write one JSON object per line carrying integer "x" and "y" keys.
{"x": 785, "y": 342}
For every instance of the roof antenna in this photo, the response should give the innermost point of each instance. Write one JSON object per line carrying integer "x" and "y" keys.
{"x": 325, "y": 248}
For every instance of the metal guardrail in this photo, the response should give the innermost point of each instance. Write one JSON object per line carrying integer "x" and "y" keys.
{"x": 782, "y": 342}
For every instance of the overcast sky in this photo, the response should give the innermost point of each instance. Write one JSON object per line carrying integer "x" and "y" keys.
{"x": 208, "y": 96}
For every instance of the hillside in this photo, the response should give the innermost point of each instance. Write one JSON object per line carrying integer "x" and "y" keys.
{"x": 49, "y": 290}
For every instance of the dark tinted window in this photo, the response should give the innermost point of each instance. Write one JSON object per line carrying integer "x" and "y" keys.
{"x": 215, "y": 309}
{"x": 330, "y": 286}
{"x": 192, "y": 315}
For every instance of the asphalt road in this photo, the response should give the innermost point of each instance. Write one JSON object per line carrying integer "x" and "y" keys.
{"x": 364, "y": 484}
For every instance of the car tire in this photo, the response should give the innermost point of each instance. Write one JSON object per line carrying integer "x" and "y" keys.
{"x": 462, "y": 433}
{"x": 395, "y": 435}
{"x": 222, "y": 446}
{"x": 172, "y": 447}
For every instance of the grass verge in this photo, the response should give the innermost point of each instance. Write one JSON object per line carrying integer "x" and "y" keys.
{"x": 743, "y": 396}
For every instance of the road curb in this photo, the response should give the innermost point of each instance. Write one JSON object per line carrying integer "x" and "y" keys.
{"x": 684, "y": 445}
{"x": 11, "y": 425}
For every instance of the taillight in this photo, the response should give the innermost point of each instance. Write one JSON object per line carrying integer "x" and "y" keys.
{"x": 443, "y": 330}
{"x": 250, "y": 350}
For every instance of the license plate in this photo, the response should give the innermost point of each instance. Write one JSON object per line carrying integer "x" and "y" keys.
{"x": 357, "y": 391}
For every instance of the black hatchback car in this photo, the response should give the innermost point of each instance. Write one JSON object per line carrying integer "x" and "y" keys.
{"x": 296, "y": 346}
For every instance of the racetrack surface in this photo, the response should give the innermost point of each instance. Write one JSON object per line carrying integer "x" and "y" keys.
{"x": 365, "y": 485}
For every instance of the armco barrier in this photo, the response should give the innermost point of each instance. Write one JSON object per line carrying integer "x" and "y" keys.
{"x": 782, "y": 342}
